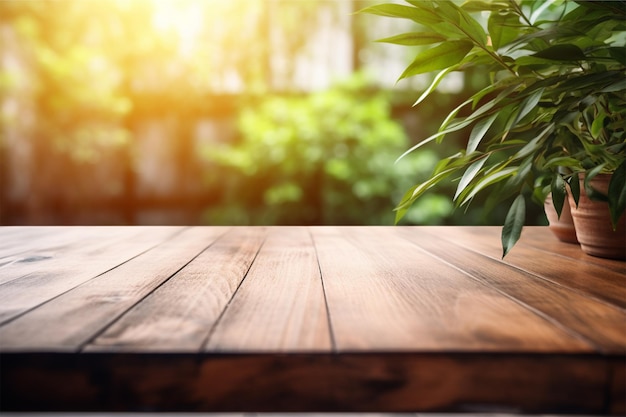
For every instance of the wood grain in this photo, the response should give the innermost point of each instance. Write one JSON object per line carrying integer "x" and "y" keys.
{"x": 538, "y": 237}
{"x": 70, "y": 251}
{"x": 179, "y": 315}
{"x": 72, "y": 319}
{"x": 386, "y": 294}
{"x": 301, "y": 319}
{"x": 602, "y": 324}
{"x": 15, "y": 239}
{"x": 586, "y": 277}
{"x": 280, "y": 305}
{"x": 617, "y": 386}
{"x": 57, "y": 277}
{"x": 350, "y": 382}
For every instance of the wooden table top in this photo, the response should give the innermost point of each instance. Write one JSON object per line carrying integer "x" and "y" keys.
{"x": 308, "y": 319}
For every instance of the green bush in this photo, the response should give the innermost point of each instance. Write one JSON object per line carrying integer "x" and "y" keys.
{"x": 324, "y": 158}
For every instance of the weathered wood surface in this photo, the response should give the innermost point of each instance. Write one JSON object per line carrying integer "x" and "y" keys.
{"x": 398, "y": 319}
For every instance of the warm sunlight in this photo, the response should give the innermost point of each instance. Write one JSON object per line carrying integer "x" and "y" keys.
{"x": 182, "y": 18}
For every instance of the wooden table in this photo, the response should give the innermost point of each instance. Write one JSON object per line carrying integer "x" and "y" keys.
{"x": 308, "y": 319}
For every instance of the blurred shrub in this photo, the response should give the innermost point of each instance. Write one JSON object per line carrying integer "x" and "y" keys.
{"x": 326, "y": 158}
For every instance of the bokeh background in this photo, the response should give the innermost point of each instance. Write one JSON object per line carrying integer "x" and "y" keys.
{"x": 240, "y": 112}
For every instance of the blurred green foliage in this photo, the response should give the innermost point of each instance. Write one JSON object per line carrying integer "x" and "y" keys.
{"x": 82, "y": 78}
{"x": 324, "y": 158}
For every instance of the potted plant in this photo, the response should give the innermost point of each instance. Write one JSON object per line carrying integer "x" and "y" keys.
{"x": 553, "y": 111}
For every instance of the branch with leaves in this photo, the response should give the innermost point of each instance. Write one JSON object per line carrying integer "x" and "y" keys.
{"x": 554, "y": 107}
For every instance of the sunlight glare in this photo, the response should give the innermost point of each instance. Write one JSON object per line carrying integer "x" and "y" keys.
{"x": 184, "y": 18}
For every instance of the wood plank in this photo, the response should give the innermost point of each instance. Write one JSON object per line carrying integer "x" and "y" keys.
{"x": 61, "y": 275}
{"x": 385, "y": 294}
{"x": 617, "y": 386}
{"x": 70, "y": 251}
{"x": 349, "y": 382}
{"x": 179, "y": 315}
{"x": 280, "y": 305}
{"x": 580, "y": 275}
{"x": 20, "y": 239}
{"x": 602, "y": 324}
{"x": 74, "y": 318}
{"x": 541, "y": 237}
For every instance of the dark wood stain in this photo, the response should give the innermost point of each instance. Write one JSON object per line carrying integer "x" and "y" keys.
{"x": 297, "y": 319}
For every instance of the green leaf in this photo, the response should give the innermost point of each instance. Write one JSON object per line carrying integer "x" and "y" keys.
{"x": 561, "y": 161}
{"x": 469, "y": 175}
{"x": 513, "y": 224}
{"x": 480, "y": 6}
{"x": 598, "y": 124}
{"x": 402, "y": 207}
{"x": 617, "y": 193}
{"x": 440, "y": 133}
{"x": 455, "y": 160}
{"x": 565, "y": 52}
{"x": 618, "y": 54}
{"x": 472, "y": 28}
{"x": 574, "y": 187}
{"x": 503, "y": 28}
{"x": 432, "y": 86}
{"x": 618, "y": 86}
{"x": 528, "y": 105}
{"x": 450, "y": 117}
{"x": 449, "y": 11}
{"x": 393, "y": 10}
{"x": 558, "y": 193}
{"x": 492, "y": 178}
{"x": 479, "y": 131}
{"x": 416, "y": 191}
{"x": 414, "y": 38}
{"x": 534, "y": 144}
{"x": 592, "y": 193}
{"x": 437, "y": 58}
{"x": 426, "y": 12}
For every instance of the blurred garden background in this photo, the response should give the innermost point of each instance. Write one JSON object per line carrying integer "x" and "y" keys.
{"x": 239, "y": 112}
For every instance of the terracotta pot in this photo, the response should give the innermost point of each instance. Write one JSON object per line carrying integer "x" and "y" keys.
{"x": 592, "y": 221}
{"x": 563, "y": 227}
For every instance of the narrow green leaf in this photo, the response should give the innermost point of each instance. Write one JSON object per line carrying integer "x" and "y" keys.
{"x": 479, "y": 131}
{"x": 449, "y": 162}
{"x": 450, "y": 117}
{"x": 561, "y": 161}
{"x": 534, "y": 144}
{"x": 426, "y": 12}
{"x": 618, "y": 86}
{"x": 414, "y": 38}
{"x": 469, "y": 175}
{"x": 432, "y": 86}
{"x": 481, "y": 6}
{"x": 513, "y": 224}
{"x": 402, "y": 207}
{"x": 617, "y": 193}
{"x": 393, "y": 10}
{"x": 503, "y": 28}
{"x": 439, "y": 134}
{"x": 574, "y": 187}
{"x": 591, "y": 192}
{"x": 420, "y": 189}
{"x": 558, "y": 193}
{"x": 471, "y": 26}
{"x": 565, "y": 52}
{"x": 598, "y": 124}
{"x": 495, "y": 176}
{"x": 441, "y": 56}
{"x": 449, "y": 11}
{"x": 528, "y": 105}
{"x": 618, "y": 54}
{"x": 424, "y": 142}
